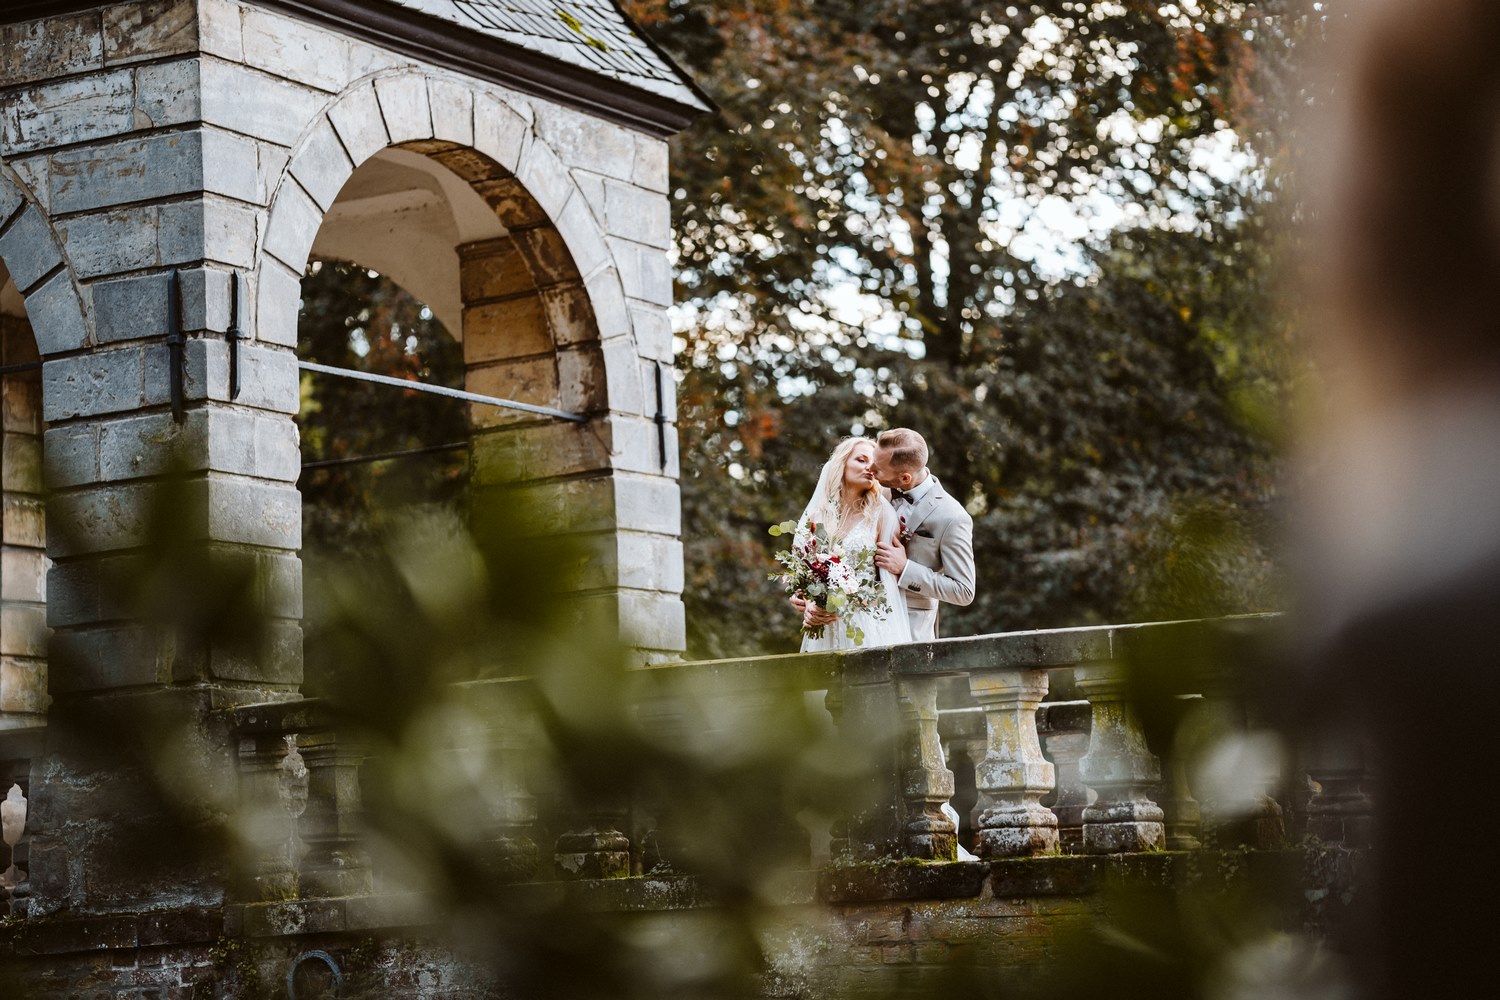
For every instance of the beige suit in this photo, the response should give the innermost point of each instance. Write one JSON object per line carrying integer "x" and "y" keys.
{"x": 939, "y": 537}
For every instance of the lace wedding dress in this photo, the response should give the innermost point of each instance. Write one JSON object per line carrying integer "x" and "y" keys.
{"x": 893, "y": 627}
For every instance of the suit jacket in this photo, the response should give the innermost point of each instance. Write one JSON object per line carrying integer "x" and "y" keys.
{"x": 939, "y": 554}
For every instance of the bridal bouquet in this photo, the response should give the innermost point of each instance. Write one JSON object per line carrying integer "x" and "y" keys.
{"x": 836, "y": 578}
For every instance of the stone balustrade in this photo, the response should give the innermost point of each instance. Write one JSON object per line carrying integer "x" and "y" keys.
{"x": 1075, "y": 776}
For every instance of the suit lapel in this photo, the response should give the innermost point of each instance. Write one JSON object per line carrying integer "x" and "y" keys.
{"x": 924, "y": 507}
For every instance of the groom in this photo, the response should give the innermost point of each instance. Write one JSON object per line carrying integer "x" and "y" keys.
{"x": 934, "y": 560}
{"x": 933, "y": 557}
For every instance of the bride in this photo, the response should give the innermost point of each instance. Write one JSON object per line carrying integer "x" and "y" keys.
{"x": 849, "y": 498}
{"x": 853, "y": 506}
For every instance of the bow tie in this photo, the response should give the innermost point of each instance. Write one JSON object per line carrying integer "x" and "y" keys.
{"x": 901, "y": 495}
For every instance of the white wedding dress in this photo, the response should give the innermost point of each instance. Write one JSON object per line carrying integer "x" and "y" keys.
{"x": 887, "y": 630}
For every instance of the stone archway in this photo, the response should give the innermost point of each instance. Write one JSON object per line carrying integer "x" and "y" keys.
{"x": 544, "y": 320}
{"x": 41, "y": 314}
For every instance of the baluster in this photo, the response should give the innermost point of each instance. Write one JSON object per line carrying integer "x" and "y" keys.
{"x": 1064, "y": 728}
{"x": 1118, "y": 767}
{"x": 273, "y": 781}
{"x": 1340, "y": 811}
{"x": 1256, "y": 822}
{"x": 515, "y": 852}
{"x": 838, "y": 830}
{"x": 336, "y": 864}
{"x": 594, "y": 847}
{"x": 1013, "y": 773}
{"x": 12, "y": 828}
{"x": 926, "y": 782}
{"x": 1183, "y": 816}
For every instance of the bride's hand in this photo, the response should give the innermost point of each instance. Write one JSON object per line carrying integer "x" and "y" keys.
{"x": 815, "y": 616}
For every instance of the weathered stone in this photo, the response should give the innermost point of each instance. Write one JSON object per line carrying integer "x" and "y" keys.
{"x": 651, "y": 168}
{"x": 268, "y": 376}
{"x": 321, "y": 166}
{"x": 513, "y": 204}
{"x": 29, "y": 251}
{"x": 23, "y": 630}
{"x": 404, "y": 106}
{"x": 645, "y": 272}
{"x": 277, "y": 303}
{"x": 545, "y": 177}
{"x": 24, "y": 520}
{"x": 499, "y": 132}
{"x": 452, "y": 103}
{"x": 607, "y": 299}
{"x": 76, "y": 109}
{"x": 168, "y": 94}
{"x": 22, "y": 462}
{"x": 637, "y": 446}
{"x": 109, "y": 658}
{"x": 23, "y": 574}
{"x": 295, "y": 219}
{"x": 140, "y": 168}
{"x": 533, "y": 380}
{"x": 646, "y": 504}
{"x": 57, "y": 315}
{"x": 212, "y": 228}
{"x": 251, "y": 103}
{"x": 11, "y": 199}
{"x": 289, "y": 48}
{"x": 219, "y": 31}
{"x": 102, "y": 519}
{"x": 1013, "y": 775}
{"x": 231, "y": 166}
{"x": 540, "y": 451}
{"x": 582, "y": 141}
{"x": 581, "y": 380}
{"x": 23, "y": 685}
{"x": 111, "y": 242}
{"x": 205, "y": 299}
{"x": 90, "y": 385}
{"x": 513, "y": 328}
{"x": 570, "y": 317}
{"x": 1118, "y": 767}
{"x": 133, "y": 308}
{"x": 629, "y": 390}
{"x": 360, "y": 126}
{"x": 71, "y": 455}
{"x": 546, "y": 255}
{"x": 149, "y": 30}
{"x": 653, "y": 332}
{"x": 926, "y": 783}
{"x": 493, "y": 269}
{"x": 54, "y": 46}
{"x": 639, "y": 215}
{"x": 581, "y": 233}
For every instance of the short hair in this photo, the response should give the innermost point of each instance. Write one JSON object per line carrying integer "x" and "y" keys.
{"x": 907, "y": 448}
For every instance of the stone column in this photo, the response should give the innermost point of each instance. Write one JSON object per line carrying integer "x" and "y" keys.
{"x": 1064, "y": 728}
{"x": 336, "y": 864}
{"x": 926, "y": 782}
{"x": 1118, "y": 767}
{"x": 1340, "y": 810}
{"x": 1013, "y": 773}
{"x": 23, "y": 537}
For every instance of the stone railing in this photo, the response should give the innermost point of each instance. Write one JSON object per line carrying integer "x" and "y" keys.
{"x": 1060, "y": 761}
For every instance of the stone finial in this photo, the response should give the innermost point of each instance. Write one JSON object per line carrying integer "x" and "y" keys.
{"x": 1013, "y": 774}
{"x": 13, "y": 827}
{"x": 1118, "y": 767}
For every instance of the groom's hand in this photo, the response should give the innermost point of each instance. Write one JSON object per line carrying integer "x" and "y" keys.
{"x": 891, "y": 557}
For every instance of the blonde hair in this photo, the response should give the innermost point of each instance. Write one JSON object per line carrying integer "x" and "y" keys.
{"x": 826, "y": 505}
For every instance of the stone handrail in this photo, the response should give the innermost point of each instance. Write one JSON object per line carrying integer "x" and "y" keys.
{"x": 1073, "y": 775}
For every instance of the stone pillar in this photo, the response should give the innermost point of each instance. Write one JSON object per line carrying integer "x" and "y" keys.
{"x": 1064, "y": 728}
{"x": 273, "y": 790}
{"x": 1340, "y": 810}
{"x": 23, "y": 537}
{"x": 1118, "y": 767}
{"x": 1253, "y": 821}
{"x": 1013, "y": 774}
{"x": 869, "y": 721}
{"x": 926, "y": 782}
{"x": 536, "y": 331}
{"x": 336, "y": 864}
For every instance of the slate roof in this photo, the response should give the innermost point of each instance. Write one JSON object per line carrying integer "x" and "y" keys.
{"x": 593, "y": 35}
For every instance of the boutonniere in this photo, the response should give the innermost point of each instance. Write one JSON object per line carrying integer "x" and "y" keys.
{"x": 902, "y": 533}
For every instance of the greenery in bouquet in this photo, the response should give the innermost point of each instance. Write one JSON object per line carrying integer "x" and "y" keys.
{"x": 825, "y": 572}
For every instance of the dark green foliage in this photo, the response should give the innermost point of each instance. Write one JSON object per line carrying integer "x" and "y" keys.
{"x": 1082, "y": 395}
{"x": 354, "y": 318}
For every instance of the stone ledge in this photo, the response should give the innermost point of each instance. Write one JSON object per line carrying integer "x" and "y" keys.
{"x": 71, "y": 935}
{"x": 901, "y": 880}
